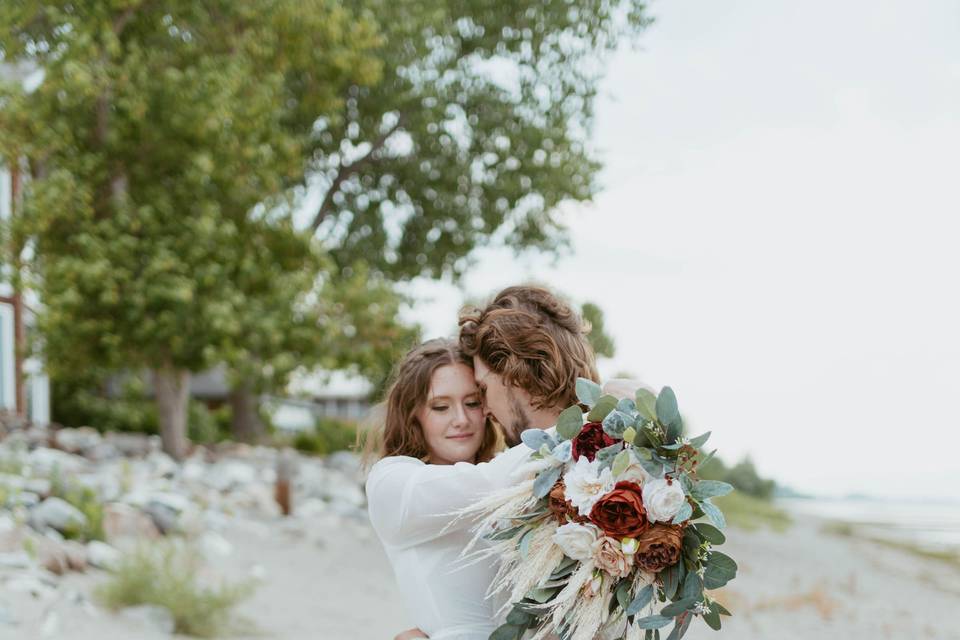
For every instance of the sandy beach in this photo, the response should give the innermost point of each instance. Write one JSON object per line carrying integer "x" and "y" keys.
{"x": 326, "y": 578}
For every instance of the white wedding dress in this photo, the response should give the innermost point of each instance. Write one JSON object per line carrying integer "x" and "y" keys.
{"x": 410, "y": 503}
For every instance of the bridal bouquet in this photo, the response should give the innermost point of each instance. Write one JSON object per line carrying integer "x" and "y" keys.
{"x": 611, "y": 534}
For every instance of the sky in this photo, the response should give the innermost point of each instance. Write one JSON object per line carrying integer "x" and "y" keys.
{"x": 776, "y": 236}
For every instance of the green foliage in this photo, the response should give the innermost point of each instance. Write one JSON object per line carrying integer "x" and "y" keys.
{"x": 167, "y": 575}
{"x": 83, "y": 401}
{"x": 600, "y": 340}
{"x": 743, "y": 476}
{"x": 84, "y": 499}
{"x": 477, "y": 130}
{"x": 162, "y": 145}
{"x": 327, "y": 436}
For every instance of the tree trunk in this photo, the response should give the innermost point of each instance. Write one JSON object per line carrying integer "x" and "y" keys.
{"x": 245, "y": 420}
{"x": 173, "y": 393}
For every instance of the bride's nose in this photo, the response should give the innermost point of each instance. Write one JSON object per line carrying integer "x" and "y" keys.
{"x": 460, "y": 416}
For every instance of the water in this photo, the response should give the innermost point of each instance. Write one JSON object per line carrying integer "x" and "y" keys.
{"x": 930, "y": 525}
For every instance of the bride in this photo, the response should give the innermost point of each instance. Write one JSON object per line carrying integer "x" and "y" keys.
{"x": 435, "y": 416}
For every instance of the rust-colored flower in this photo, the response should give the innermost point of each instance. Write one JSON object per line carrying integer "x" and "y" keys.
{"x": 561, "y": 508}
{"x": 591, "y": 439}
{"x": 620, "y": 513}
{"x": 659, "y": 547}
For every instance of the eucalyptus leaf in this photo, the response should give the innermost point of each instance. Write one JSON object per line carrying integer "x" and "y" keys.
{"x": 684, "y": 514}
{"x": 708, "y": 458}
{"x": 652, "y": 622}
{"x": 541, "y": 595}
{"x": 604, "y": 405}
{"x": 588, "y": 391}
{"x": 676, "y": 608}
{"x": 723, "y": 610}
{"x": 508, "y": 632}
{"x": 713, "y": 512}
{"x": 646, "y": 404}
{"x": 563, "y": 451}
{"x": 524, "y": 545}
{"x": 710, "y": 533}
{"x": 606, "y": 455}
{"x": 671, "y": 580}
{"x": 630, "y": 435}
{"x": 692, "y": 587}
{"x": 711, "y": 488}
{"x": 616, "y": 423}
{"x": 666, "y": 407}
{"x": 536, "y": 438}
{"x": 505, "y": 534}
{"x": 622, "y": 593}
{"x": 700, "y": 440}
{"x": 520, "y": 617}
{"x": 652, "y": 467}
{"x": 546, "y": 480}
{"x": 680, "y": 628}
{"x": 712, "y": 618}
{"x": 627, "y": 405}
{"x": 641, "y": 600}
{"x": 570, "y": 422}
{"x": 621, "y": 462}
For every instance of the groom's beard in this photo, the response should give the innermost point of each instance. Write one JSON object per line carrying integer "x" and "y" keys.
{"x": 519, "y": 421}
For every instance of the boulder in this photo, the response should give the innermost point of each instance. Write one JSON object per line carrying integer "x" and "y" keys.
{"x": 57, "y": 514}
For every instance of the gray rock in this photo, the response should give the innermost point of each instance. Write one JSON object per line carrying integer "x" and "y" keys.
{"x": 57, "y": 514}
{"x": 102, "y": 555}
{"x": 45, "y": 462}
{"x": 80, "y": 441}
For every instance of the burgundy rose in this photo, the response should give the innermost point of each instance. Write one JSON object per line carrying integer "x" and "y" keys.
{"x": 620, "y": 513}
{"x": 591, "y": 439}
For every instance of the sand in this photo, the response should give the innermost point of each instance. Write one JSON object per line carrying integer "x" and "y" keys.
{"x": 326, "y": 578}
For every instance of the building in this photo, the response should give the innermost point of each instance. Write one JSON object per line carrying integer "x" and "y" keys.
{"x": 24, "y": 387}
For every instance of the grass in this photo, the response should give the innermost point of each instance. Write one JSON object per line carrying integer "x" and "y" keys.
{"x": 747, "y": 512}
{"x": 166, "y": 575}
{"x": 848, "y": 530}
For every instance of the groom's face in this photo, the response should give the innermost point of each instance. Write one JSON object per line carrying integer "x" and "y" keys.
{"x": 509, "y": 405}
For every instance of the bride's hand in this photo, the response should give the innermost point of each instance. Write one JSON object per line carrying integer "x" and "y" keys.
{"x": 410, "y": 634}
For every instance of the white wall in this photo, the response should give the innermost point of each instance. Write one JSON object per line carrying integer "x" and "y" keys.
{"x": 8, "y": 389}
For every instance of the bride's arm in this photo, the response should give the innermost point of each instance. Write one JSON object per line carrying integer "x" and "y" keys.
{"x": 411, "y": 502}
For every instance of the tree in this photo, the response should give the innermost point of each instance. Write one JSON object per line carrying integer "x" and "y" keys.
{"x": 161, "y": 143}
{"x": 477, "y": 131}
{"x": 600, "y": 340}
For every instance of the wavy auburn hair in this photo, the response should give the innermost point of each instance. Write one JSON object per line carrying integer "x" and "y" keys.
{"x": 535, "y": 340}
{"x": 402, "y": 434}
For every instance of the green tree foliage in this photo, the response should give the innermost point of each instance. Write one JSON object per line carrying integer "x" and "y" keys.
{"x": 161, "y": 143}
{"x": 477, "y": 131}
{"x": 600, "y": 340}
{"x": 742, "y": 475}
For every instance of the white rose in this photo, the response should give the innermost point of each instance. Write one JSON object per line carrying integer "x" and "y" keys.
{"x": 662, "y": 499}
{"x": 635, "y": 473}
{"x": 585, "y": 483}
{"x": 577, "y": 540}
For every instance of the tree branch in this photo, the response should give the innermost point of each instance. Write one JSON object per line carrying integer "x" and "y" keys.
{"x": 345, "y": 172}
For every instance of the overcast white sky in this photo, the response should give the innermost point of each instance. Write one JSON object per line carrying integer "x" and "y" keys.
{"x": 777, "y": 236}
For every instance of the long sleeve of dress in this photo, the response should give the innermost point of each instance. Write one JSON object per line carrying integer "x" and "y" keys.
{"x": 411, "y": 502}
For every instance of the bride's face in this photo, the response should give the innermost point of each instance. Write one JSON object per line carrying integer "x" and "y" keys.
{"x": 452, "y": 418}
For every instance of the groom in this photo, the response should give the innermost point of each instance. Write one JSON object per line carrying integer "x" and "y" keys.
{"x": 528, "y": 348}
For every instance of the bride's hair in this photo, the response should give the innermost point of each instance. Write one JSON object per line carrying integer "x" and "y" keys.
{"x": 535, "y": 340}
{"x": 401, "y": 434}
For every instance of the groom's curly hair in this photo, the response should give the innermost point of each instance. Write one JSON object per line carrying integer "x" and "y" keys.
{"x": 535, "y": 340}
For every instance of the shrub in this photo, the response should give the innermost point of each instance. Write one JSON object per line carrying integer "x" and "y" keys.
{"x": 167, "y": 576}
{"x": 327, "y": 436}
